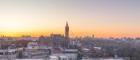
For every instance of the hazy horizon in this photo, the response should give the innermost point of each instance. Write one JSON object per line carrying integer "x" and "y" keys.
{"x": 103, "y": 18}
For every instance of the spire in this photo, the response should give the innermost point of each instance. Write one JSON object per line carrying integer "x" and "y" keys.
{"x": 67, "y": 23}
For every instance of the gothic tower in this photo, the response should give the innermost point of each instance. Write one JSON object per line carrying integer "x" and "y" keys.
{"x": 67, "y": 30}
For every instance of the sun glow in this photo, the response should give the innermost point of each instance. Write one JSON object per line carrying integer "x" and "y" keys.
{"x": 11, "y": 26}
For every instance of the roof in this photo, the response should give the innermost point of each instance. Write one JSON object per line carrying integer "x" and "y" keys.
{"x": 29, "y": 59}
{"x": 71, "y": 50}
{"x": 53, "y": 57}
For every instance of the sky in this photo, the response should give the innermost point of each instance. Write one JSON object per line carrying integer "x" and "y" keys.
{"x": 103, "y": 18}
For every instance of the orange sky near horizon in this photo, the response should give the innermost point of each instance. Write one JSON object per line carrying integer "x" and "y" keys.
{"x": 72, "y": 34}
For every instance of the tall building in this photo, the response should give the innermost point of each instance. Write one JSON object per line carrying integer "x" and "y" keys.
{"x": 67, "y": 30}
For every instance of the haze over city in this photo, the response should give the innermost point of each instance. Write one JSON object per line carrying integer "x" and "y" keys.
{"x": 103, "y": 18}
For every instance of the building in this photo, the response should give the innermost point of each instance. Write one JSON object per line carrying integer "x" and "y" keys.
{"x": 67, "y": 30}
{"x": 8, "y": 53}
{"x": 66, "y": 42}
{"x": 35, "y": 50}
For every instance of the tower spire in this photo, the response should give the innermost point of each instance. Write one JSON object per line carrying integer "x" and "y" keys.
{"x": 67, "y": 30}
{"x": 66, "y": 23}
